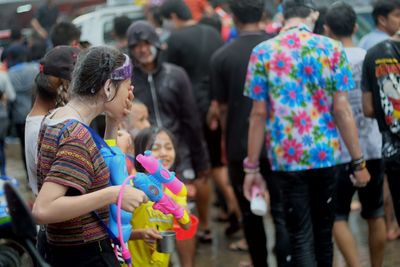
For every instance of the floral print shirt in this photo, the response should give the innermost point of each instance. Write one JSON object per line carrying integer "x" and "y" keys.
{"x": 296, "y": 74}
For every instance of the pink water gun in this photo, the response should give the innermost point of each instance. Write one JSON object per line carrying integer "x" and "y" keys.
{"x": 152, "y": 185}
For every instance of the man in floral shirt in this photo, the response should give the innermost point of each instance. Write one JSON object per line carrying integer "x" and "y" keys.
{"x": 298, "y": 82}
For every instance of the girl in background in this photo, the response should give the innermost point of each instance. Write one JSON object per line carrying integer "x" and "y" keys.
{"x": 148, "y": 221}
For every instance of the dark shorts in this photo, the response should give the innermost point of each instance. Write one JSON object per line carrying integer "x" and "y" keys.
{"x": 214, "y": 145}
{"x": 370, "y": 196}
{"x": 99, "y": 254}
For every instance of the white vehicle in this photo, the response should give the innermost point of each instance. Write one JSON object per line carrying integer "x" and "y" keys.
{"x": 97, "y": 26}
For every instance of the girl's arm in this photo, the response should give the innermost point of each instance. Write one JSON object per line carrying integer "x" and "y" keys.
{"x": 187, "y": 225}
{"x": 52, "y": 206}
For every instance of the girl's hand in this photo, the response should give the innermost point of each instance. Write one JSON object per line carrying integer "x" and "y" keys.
{"x": 124, "y": 141}
{"x": 149, "y": 235}
{"x": 131, "y": 198}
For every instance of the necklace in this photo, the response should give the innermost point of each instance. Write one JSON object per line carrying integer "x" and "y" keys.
{"x": 74, "y": 109}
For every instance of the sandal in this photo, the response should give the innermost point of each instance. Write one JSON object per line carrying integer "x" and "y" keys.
{"x": 240, "y": 246}
{"x": 234, "y": 225}
{"x": 204, "y": 236}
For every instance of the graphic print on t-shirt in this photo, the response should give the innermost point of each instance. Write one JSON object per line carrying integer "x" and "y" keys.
{"x": 387, "y": 72}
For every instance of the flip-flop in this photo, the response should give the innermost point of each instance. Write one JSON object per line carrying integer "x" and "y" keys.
{"x": 204, "y": 236}
{"x": 240, "y": 246}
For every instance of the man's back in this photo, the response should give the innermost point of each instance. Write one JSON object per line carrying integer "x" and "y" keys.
{"x": 191, "y": 48}
{"x": 380, "y": 70}
{"x": 368, "y": 132}
{"x": 228, "y": 74}
{"x": 297, "y": 73}
{"x": 381, "y": 78}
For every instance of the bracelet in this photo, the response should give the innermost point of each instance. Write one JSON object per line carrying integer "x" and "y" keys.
{"x": 248, "y": 165}
{"x": 251, "y": 171}
{"x": 357, "y": 161}
{"x": 358, "y": 164}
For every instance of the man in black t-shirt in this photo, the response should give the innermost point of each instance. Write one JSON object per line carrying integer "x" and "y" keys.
{"x": 381, "y": 100}
{"x": 190, "y": 46}
{"x": 228, "y": 74}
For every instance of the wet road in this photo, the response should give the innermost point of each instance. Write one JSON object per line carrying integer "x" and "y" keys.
{"x": 217, "y": 254}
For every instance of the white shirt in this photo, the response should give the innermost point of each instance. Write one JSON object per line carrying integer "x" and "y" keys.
{"x": 373, "y": 38}
{"x": 32, "y": 128}
{"x": 368, "y": 131}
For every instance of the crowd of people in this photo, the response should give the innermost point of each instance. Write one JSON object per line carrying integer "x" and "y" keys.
{"x": 222, "y": 93}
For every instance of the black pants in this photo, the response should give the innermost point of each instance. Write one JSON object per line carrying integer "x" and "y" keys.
{"x": 253, "y": 225}
{"x": 309, "y": 203}
{"x": 96, "y": 254}
{"x": 393, "y": 176}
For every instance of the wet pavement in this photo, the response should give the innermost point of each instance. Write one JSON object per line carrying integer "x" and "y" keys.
{"x": 218, "y": 254}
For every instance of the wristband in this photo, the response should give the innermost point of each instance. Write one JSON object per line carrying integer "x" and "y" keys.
{"x": 249, "y": 165}
{"x": 251, "y": 171}
{"x": 358, "y": 164}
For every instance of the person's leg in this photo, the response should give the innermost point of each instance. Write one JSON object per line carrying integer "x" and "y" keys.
{"x": 186, "y": 252}
{"x": 341, "y": 231}
{"x": 393, "y": 174}
{"x": 346, "y": 243}
{"x": 323, "y": 202}
{"x": 371, "y": 198}
{"x": 376, "y": 240}
{"x": 202, "y": 199}
{"x": 253, "y": 226}
{"x": 392, "y": 227}
{"x": 282, "y": 239}
{"x": 220, "y": 176}
{"x": 296, "y": 199}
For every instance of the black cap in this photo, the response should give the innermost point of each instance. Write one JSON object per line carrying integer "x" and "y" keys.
{"x": 142, "y": 31}
{"x": 294, "y": 3}
{"x": 60, "y": 61}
